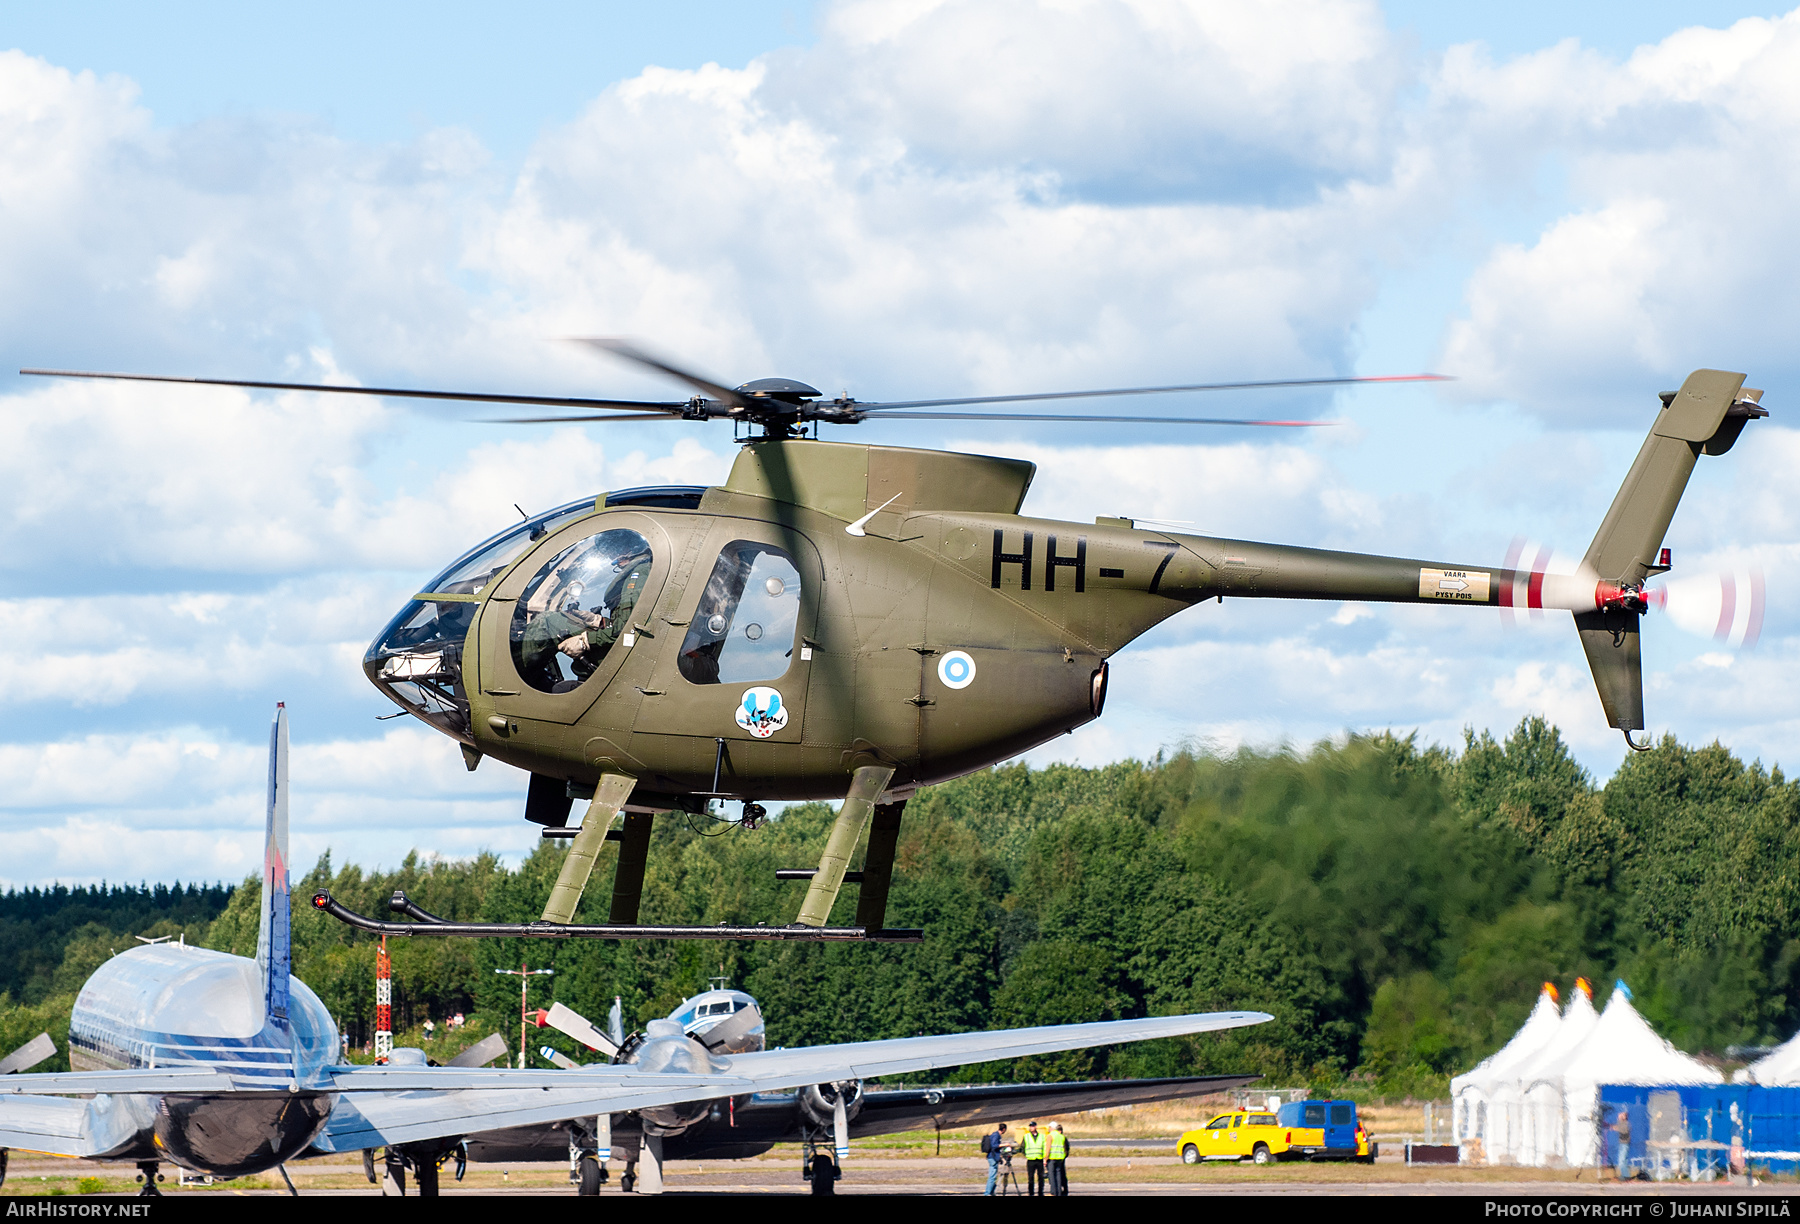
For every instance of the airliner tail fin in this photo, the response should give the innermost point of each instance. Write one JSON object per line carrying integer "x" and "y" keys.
{"x": 274, "y": 943}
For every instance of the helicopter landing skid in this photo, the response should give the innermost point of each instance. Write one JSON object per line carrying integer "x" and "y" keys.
{"x": 429, "y": 924}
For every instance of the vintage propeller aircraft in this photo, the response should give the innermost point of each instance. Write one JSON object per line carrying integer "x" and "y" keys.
{"x": 229, "y": 1066}
{"x": 856, "y": 621}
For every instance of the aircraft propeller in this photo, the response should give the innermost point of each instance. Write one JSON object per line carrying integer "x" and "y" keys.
{"x": 28, "y": 1055}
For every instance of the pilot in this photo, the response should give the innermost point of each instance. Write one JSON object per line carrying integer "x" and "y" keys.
{"x": 589, "y": 644}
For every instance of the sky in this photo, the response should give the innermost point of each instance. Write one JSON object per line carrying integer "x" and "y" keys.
{"x": 1565, "y": 207}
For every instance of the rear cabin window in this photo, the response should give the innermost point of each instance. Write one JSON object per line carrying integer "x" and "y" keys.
{"x": 744, "y": 627}
{"x": 1343, "y": 1115}
{"x": 1262, "y": 1120}
{"x": 1315, "y": 1115}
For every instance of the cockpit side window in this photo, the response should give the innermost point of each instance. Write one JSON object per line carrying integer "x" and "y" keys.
{"x": 576, "y": 607}
{"x": 748, "y": 614}
{"x": 477, "y": 567}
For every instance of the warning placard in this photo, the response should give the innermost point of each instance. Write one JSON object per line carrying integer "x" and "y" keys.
{"x": 1470, "y": 586}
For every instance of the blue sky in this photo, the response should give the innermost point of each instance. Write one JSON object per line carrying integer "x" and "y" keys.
{"x": 1566, "y": 206}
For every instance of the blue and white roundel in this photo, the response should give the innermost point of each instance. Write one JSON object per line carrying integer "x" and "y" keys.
{"x": 956, "y": 670}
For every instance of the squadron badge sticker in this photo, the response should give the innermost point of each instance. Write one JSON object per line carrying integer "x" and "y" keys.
{"x": 956, "y": 670}
{"x": 762, "y": 713}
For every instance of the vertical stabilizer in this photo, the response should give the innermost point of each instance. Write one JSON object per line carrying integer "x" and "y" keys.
{"x": 1624, "y": 549}
{"x": 274, "y": 943}
{"x": 1704, "y": 417}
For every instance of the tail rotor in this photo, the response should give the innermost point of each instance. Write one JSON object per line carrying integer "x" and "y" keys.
{"x": 1726, "y": 605}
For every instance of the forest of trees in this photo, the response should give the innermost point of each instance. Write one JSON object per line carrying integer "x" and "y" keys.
{"x": 1395, "y": 907}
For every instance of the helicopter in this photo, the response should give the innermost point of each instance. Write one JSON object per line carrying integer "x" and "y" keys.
{"x": 849, "y": 621}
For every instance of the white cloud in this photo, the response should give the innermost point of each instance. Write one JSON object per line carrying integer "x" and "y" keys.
{"x": 937, "y": 198}
{"x": 189, "y": 805}
{"x": 1206, "y": 99}
{"x": 103, "y": 476}
{"x": 1679, "y": 253}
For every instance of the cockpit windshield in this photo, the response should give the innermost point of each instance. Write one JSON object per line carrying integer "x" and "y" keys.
{"x": 417, "y": 661}
{"x": 477, "y": 567}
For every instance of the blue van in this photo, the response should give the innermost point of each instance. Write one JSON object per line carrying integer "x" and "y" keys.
{"x": 1325, "y": 1130}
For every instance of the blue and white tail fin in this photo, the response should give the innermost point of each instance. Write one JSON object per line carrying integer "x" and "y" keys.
{"x": 274, "y": 942}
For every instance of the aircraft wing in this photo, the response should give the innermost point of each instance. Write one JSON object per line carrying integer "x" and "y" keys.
{"x": 885, "y": 1111}
{"x": 376, "y": 1119}
{"x": 773, "y": 1069}
{"x": 46, "y": 1124}
{"x": 71, "y": 1126}
{"x": 383, "y": 1105}
{"x": 365, "y": 1119}
{"x": 152, "y": 1080}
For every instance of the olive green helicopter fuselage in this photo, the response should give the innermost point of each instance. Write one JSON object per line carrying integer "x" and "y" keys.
{"x": 835, "y": 605}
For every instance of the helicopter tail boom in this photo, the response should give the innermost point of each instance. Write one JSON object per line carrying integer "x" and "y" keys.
{"x": 1605, "y": 593}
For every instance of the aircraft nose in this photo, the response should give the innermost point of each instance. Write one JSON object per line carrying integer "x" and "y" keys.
{"x": 417, "y": 662}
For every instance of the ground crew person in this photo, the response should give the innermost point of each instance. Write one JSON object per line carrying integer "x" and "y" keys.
{"x": 993, "y": 1144}
{"x": 1057, "y": 1153}
{"x": 1622, "y": 1161}
{"x": 1033, "y": 1145}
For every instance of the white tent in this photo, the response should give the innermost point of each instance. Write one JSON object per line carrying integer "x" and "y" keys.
{"x": 1622, "y": 1048}
{"x": 1778, "y": 1068}
{"x": 1472, "y": 1092}
{"x": 1529, "y": 1132}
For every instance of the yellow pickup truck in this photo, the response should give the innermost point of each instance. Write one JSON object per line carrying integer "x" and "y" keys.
{"x": 1302, "y": 1130}
{"x": 1233, "y": 1136}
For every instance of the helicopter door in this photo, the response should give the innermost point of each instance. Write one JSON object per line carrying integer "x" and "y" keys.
{"x": 561, "y": 623}
{"x": 739, "y": 671}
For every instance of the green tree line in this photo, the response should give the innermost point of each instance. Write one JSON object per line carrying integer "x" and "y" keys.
{"x": 1395, "y": 907}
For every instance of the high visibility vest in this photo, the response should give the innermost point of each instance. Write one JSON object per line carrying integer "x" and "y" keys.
{"x": 1032, "y": 1146}
{"x": 1059, "y": 1146}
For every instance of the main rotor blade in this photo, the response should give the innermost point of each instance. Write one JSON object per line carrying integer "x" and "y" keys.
{"x": 1231, "y": 386}
{"x": 1045, "y": 416}
{"x": 558, "y": 420}
{"x": 630, "y": 352}
{"x": 480, "y": 397}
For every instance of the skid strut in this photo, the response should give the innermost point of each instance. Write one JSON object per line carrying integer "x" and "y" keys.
{"x": 430, "y": 924}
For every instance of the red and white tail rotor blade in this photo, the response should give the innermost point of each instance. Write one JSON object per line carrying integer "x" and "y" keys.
{"x": 1726, "y": 606}
{"x": 1529, "y": 562}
